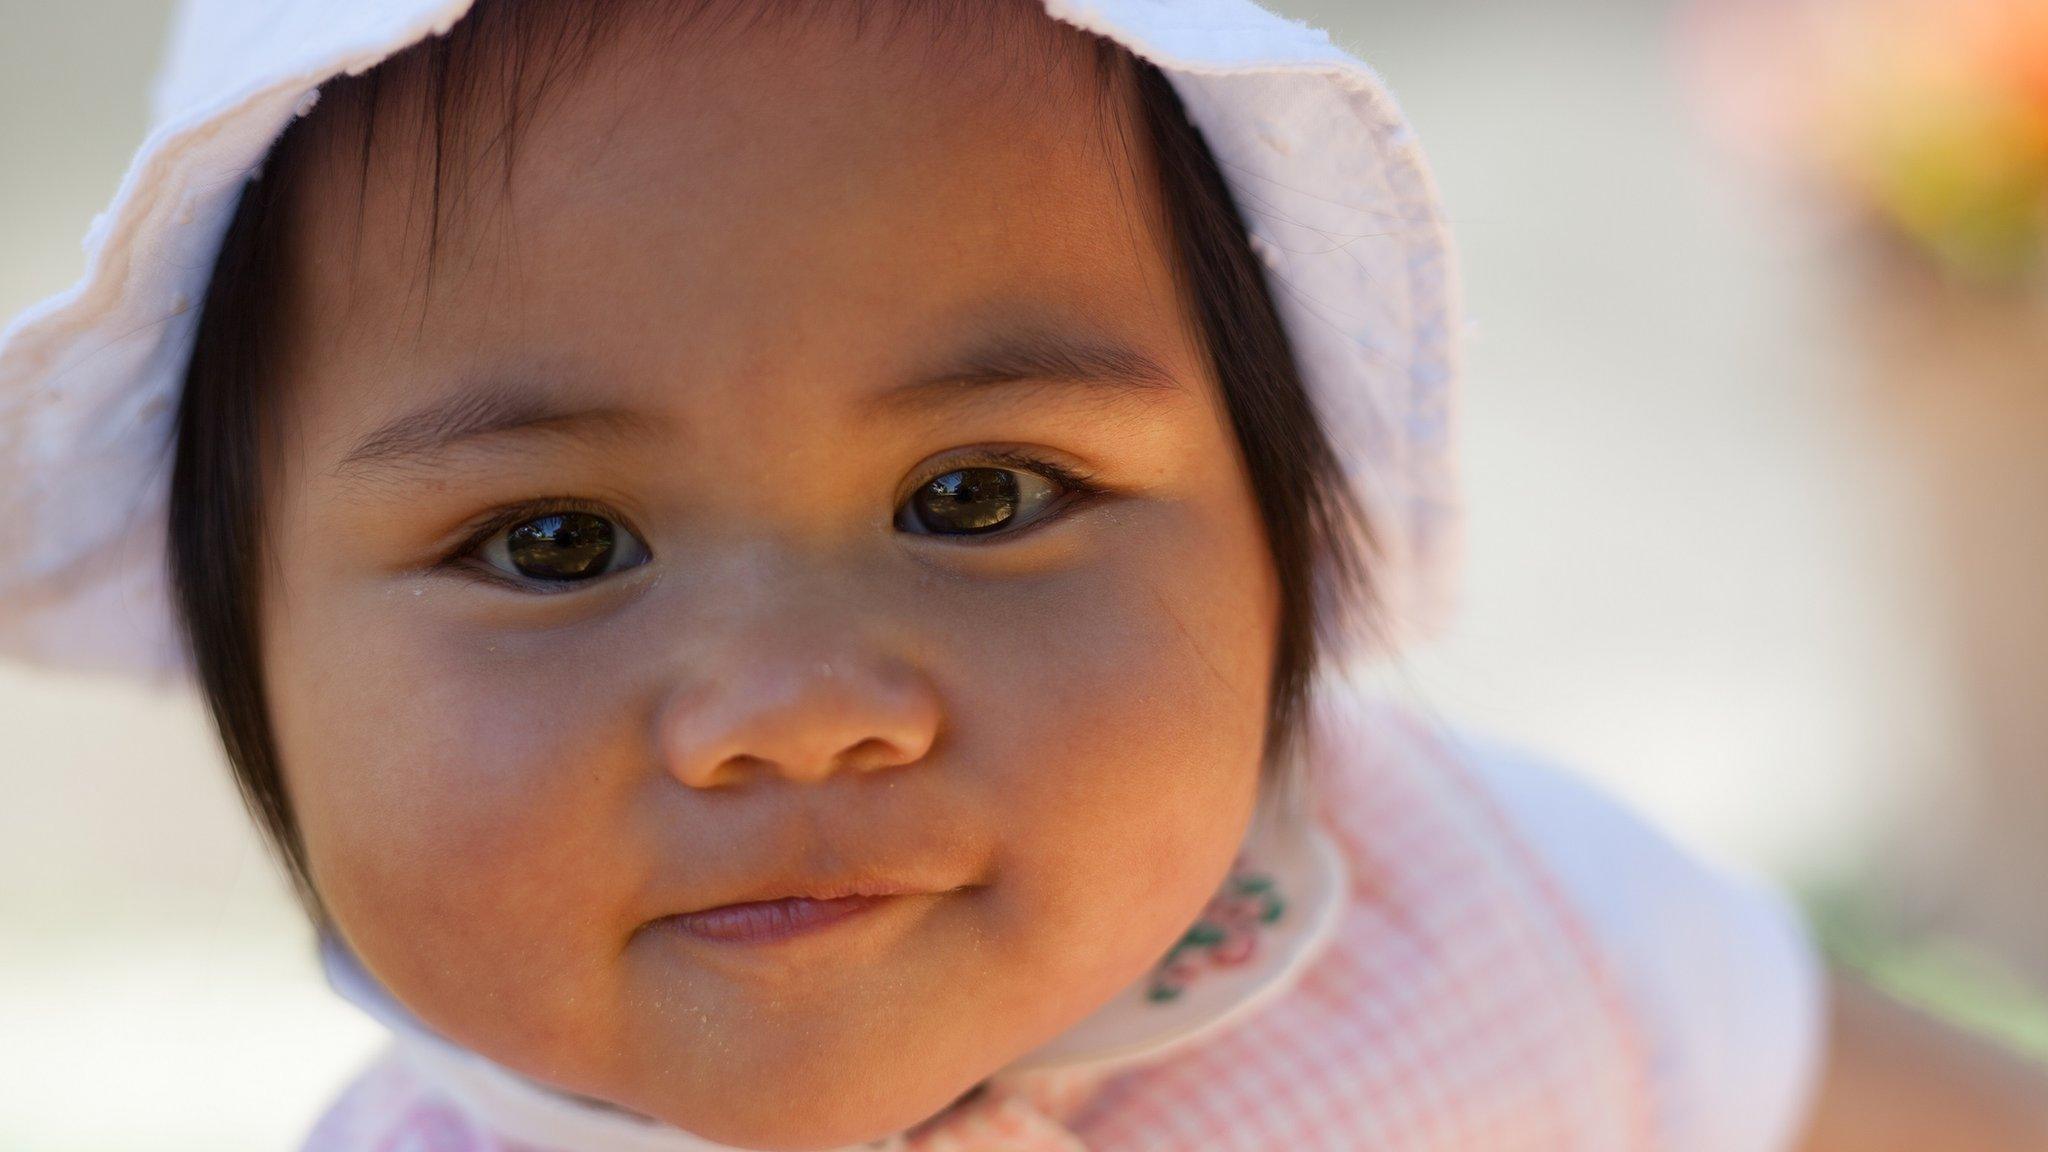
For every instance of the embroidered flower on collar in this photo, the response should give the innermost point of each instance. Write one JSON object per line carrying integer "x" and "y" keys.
{"x": 1224, "y": 936}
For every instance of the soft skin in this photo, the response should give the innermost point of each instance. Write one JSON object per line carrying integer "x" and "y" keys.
{"x": 746, "y": 241}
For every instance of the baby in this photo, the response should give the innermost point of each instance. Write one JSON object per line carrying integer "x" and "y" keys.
{"x": 779, "y": 574}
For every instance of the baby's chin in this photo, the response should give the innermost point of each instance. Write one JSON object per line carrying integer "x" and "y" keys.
{"x": 802, "y": 1072}
{"x": 849, "y": 1107}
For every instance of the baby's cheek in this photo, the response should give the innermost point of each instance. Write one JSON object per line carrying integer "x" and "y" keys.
{"x": 1126, "y": 766}
{"x": 453, "y": 836}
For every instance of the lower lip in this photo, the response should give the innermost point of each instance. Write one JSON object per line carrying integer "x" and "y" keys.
{"x": 765, "y": 921}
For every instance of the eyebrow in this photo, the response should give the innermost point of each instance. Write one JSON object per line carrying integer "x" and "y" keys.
{"x": 1108, "y": 368}
{"x": 1029, "y": 359}
{"x": 490, "y": 410}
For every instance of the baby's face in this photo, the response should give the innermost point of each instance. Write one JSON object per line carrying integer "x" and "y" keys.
{"x": 796, "y": 336}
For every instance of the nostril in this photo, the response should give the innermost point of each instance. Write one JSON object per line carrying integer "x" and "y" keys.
{"x": 735, "y": 768}
{"x": 875, "y": 752}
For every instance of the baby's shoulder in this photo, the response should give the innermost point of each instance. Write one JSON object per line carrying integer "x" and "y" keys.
{"x": 1716, "y": 964}
{"x": 1520, "y": 962}
{"x": 1716, "y": 978}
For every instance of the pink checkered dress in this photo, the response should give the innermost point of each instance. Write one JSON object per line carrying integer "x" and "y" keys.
{"x": 1478, "y": 994}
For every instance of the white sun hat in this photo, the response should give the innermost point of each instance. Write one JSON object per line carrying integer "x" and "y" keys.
{"x": 1332, "y": 185}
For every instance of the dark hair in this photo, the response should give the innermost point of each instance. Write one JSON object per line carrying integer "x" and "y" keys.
{"x": 1313, "y": 524}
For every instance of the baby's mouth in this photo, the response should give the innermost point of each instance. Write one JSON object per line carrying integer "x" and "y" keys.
{"x": 767, "y": 921}
{"x": 803, "y": 907}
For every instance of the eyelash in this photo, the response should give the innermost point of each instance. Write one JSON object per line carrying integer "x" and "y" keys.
{"x": 1080, "y": 489}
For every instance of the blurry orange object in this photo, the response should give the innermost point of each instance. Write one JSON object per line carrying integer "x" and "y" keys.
{"x": 1929, "y": 115}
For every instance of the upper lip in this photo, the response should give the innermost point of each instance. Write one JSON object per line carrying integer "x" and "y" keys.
{"x": 837, "y": 886}
{"x": 861, "y": 844}
{"x": 830, "y": 891}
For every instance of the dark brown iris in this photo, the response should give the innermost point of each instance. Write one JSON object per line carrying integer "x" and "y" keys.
{"x": 966, "y": 500}
{"x": 561, "y": 546}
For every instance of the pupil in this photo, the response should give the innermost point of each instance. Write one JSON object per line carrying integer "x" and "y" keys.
{"x": 968, "y": 499}
{"x": 563, "y": 545}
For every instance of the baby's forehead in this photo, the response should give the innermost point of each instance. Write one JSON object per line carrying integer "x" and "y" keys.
{"x": 454, "y": 119}
{"x": 684, "y": 198}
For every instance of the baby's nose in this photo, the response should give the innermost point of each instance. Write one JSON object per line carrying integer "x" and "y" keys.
{"x": 804, "y": 719}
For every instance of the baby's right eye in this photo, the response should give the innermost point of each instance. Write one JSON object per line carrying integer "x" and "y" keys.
{"x": 558, "y": 546}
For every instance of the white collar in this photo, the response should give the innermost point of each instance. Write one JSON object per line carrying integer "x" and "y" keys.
{"x": 1141, "y": 1025}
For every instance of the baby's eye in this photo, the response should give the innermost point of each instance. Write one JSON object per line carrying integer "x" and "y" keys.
{"x": 983, "y": 499}
{"x": 561, "y": 547}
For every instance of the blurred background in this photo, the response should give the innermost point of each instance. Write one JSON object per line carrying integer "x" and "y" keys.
{"x": 1756, "y": 437}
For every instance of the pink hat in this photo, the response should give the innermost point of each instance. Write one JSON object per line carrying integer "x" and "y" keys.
{"x": 1338, "y": 203}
